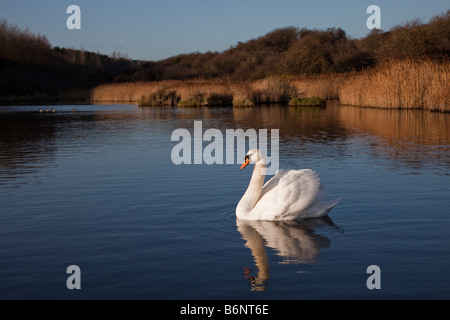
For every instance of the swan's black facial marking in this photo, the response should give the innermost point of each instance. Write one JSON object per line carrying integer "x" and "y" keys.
{"x": 246, "y": 157}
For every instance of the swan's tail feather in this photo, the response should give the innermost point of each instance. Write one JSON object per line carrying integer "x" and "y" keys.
{"x": 322, "y": 208}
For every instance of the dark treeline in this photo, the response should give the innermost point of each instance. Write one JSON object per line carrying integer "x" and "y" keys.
{"x": 30, "y": 68}
{"x": 29, "y": 65}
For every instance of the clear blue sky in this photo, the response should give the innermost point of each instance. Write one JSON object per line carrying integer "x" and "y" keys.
{"x": 153, "y": 30}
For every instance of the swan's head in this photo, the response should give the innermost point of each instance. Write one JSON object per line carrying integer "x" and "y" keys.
{"x": 253, "y": 156}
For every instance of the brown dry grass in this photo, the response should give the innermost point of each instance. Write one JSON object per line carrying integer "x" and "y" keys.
{"x": 244, "y": 93}
{"x": 405, "y": 84}
{"x": 323, "y": 86}
{"x": 132, "y": 92}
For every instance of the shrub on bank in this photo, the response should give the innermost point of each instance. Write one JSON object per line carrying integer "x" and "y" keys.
{"x": 162, "y": 97}
{"x": 242, "y": 101}
{"x": 312, "y": 101}
{"x": 206, "y": 99}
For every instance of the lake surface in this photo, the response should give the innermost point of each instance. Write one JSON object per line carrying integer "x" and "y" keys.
{"x": 96, "y": 187}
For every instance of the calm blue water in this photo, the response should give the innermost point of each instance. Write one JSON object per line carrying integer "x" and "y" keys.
{"x": 96, "y": 187}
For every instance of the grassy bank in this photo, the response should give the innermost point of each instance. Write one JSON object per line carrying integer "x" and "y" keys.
{"x": 76, "y": 95}
{"x": 28, "y": 99}
{"x": 200, "y": 92}
{"x": 400, "y": 84}
{"x": 166, "y": 92}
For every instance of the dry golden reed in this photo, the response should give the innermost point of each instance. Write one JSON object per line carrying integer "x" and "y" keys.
{"x": 133, "y": 92}
{"x": 323, "y": 86}
{"x": 404, "y": 84}
{"x": 243, "y": 93}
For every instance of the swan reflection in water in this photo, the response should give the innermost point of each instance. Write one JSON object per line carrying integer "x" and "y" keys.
{"x": 294, "y": 241}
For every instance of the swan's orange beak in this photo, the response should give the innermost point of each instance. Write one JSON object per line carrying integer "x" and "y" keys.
{"x": 247, "y": 161}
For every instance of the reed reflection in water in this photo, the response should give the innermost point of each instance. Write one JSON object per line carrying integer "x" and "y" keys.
{"x": 411, "y": 138}
{"x": 408, "y": 137}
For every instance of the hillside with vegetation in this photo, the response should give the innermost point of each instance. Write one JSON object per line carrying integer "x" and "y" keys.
{"x": 31, "y": 69}
{"x": 293, "y": 51}
{"x": 409, "y": 63}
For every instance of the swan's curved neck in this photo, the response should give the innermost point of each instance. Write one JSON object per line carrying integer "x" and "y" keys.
{"x": 251, "y": 196}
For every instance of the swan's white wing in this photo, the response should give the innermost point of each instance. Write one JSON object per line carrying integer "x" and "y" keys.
{"x": 288, "y": 194}
{"x": 272, "y": 183}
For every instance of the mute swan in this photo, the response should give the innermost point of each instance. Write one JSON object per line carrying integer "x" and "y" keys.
{"x": 289, "y": 195}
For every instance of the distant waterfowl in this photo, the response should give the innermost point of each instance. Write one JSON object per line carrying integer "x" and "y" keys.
{"x": 289, "y": 195}
{"x": 42, "y": 110}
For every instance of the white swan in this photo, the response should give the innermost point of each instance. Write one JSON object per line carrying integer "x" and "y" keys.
{"x": 289, "y": 195}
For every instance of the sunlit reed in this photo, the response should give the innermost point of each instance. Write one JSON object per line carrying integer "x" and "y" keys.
{"x": 405, "y": 84}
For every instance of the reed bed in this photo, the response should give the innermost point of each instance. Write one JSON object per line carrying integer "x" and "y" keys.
{"x": 405, "y": 84}
{"x": 325, "y": 86}
{"x": 169, "y": 92}
{"x": 201, "y": 92}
